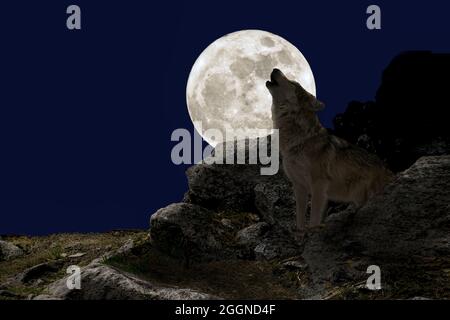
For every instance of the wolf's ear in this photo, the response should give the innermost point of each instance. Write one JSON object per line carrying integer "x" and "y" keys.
{"x": 316, "y": 105}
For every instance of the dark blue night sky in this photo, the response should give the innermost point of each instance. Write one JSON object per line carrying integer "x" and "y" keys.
{"x": 86, "y": 116}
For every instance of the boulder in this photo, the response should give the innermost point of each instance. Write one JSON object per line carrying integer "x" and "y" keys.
{"x": 252, "y": 235}
{"x": 275, "y": 202}
{"x": 412, "y": 216}
{"x": 100, "y": 282}
{"x": 188, "y": 231}
{"x": 228, "y": 187}
{"x": 405, "y": 231}
{"x": 9, "y": 251}
{"x": 277, "y": 244}
{"x": 37, "y": 271}
{"x": 222, "y": 187}
{"x": 191, "y": 232}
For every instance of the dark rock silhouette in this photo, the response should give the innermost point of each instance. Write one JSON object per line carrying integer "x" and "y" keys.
{"x": 408, "y": 118}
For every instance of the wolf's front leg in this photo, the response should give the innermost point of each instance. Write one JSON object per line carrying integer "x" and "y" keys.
{"x": 301, "y": 198}
{"x": 318, "y": 203}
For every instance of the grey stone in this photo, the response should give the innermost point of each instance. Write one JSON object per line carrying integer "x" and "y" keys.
{"x": 126, "y": 247}
{"x": 100, "y": 282}
{"x": 187, "y": 230}
{"x": 77, "y": 255}
{"x": 228, "y": 187}
{"x": 408, "y": 222}
{"x": 295, "y": 265}
{"x": 252, "y": 235}
{"x": 275, "y": 202}
{"x": 9, "y": 251}
{"x": 277, "y": 244}
{"x": 37, "y": 271}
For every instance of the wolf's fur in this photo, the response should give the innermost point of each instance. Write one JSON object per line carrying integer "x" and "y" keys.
{"x": 317, "y": 163}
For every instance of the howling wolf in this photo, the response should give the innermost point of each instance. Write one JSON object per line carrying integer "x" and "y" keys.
{"x": 317, "y": 163}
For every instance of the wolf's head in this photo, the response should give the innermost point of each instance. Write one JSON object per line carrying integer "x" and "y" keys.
{"x": 290, "y": 95}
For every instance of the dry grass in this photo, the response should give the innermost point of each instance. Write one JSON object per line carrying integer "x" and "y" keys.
{"x": 55, "y": 249}
{"x": 229, "y": 279}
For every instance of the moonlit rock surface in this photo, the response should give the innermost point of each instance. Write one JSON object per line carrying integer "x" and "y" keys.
{"x": 226, "y": 87}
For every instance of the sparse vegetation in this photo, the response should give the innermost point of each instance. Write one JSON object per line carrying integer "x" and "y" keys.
{"x": 230, "y": 279}
{"x": 55, "y": 249}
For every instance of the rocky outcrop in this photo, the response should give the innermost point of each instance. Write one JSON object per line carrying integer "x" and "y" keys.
{"x": 193, "y": 233}
{"x": 230, "y": 210}
{"x": 225, "y": 187}
{"x": 407, "y": 224}
{"x": 404, "y": 228}
{"x": 187, "y": 230}
{"x": 274, "y": 201}
{"x": 251, "y": 235}
{"x": 405, "y": 231}
{"x": 102, "y": 282}
{"x": 9, "y": 251}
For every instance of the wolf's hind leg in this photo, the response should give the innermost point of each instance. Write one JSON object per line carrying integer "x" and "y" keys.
{"x": 301, "y": 198}
{"x": 318, "y": 203}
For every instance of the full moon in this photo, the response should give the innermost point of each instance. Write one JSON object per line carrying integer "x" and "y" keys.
{"x": 226, "y": 86}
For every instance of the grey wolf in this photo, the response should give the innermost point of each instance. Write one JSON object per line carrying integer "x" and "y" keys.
{"x": 317, "y": 163}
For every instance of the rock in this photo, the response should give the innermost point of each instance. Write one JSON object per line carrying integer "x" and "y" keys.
{"x": 222, "y": 187}
{"x": 275, "y": 202}
{"x": 252, "y": 235}
{"x": 235, "y": 188}
{"x": 77, "y": 255}
{"x": 414, "y": 208}
{"x": 295, "y": 265}
{"x": 38, "y": 282}
{"x": 99, "y": 282}
{"x": 277, "y": 244}
{"x": 227, "y": 223}
{"x": 187, "y": 230}
{"x": 226, "y": 187}
{"x": 127, "y": 246}
{"x": 403, "y": 228}
{"x": 194, "y": 233}
{"x": 9, "y": 251}
{"x": 38, "y": 271}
